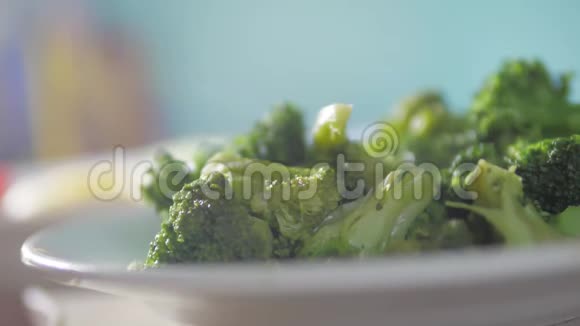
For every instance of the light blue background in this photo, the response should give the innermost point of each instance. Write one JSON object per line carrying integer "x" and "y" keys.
{"x": 221, "y": 64}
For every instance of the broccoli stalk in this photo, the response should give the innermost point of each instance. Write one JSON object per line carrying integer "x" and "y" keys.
{"x": 501, "y": 202}
{"x": 370, "y": 224}
{"x": 568, "y": 222}
{"x": 329, "y": 132}
{"x": 331, "y": 145}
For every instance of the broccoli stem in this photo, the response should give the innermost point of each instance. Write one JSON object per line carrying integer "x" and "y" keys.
{"x": 519, "y": 225}
{"x": 329, "y": 132}
{"x": 501, "y": 202}
{"x": 381, "y": 217}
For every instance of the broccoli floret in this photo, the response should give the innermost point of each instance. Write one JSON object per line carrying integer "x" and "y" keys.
{"x": 439, "y": 148}
{"x": 277, "y": 138}
{"x": 164, "y": 179}
{"x": 370, "y": 224}
{"x": 550, "y": 172}
{"x": 523, "y": 100}
{"x": 203, "y": 228}
{"x": 290, "y": 201}
{"x": 311, "y": 194}
{"x": 500, "y": 200}
{"x": 429, "y": 131}
{"x": 434, "y": 229}
{"x": 476, "y": 152}
{"x": 293, "y": 199}
{"x": 420, "y": 114}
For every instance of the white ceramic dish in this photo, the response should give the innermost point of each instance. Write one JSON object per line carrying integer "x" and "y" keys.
{"x": 534, "y": 286}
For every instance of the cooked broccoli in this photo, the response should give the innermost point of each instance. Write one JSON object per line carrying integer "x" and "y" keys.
{"x": 209, "y": 228}
{"x": 279, "y": 137}
{"x": 329, "y": 132}
{"x": 420, "y": 114}
{"x": 465, "y": 162}
{"x": 429, "y": 131}
{"x": 439, "y": 148}
{"x": 290, "y": 201}
{"x": 508, "y": 172}
{"x": 501, "y": 202}
{"x": 311, "y": 196}
{"x": 453, "y": 189}
{"x": 293, "y": 199}
{"x": 164, "y": 179}
{"x": 435, "y": 229}
{"x": 550, "y": 172}
{"x": 331, "y": 145}
{"x": 523, "y": 101}
{"x": 367, "y": 226}
{"x": 474, "y": 153}
{"x": 568, "y": 222}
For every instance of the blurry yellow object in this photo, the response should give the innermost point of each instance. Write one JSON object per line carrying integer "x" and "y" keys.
{"x": 64, "y": 186}
{"x": 50, "y": 191}
{"x": 90, "y": 91}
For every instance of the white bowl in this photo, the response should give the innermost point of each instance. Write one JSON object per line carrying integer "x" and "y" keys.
{"x": 532, "y": 286}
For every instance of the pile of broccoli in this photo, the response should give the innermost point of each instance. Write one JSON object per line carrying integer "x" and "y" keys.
{"x": 507, "y": 171}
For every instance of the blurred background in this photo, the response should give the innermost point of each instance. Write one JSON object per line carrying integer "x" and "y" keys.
{"x": 78, "y": 77}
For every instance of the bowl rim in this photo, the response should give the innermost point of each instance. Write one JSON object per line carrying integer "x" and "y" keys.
{"x": 478, "y": 266}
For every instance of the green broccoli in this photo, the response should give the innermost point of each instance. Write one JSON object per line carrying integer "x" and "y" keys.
{"x": 293, "y": 199}
{"x": 550, "y": 172}
{"x": 523, "y": 101}
{"x": 465, "y": 162}
{"x": 331, "y": 145}
{"x": 434, "y": 229}
{"x": 277, "y": 138}
{"x": 311, "y": 195}
{"x": 500, "y": 200}
{"x": 568, "y": 222}
{"x": 453, "y": 189}
{"x": 476, "y": 152}
{"x": 370, "y": 224}
{"x": 429, "y": 131}
{"x": 164, "y": 179}
{"x": 439, "y": 148}
{"x": 269, "y": 195}
{"x": 290, "y": 201}
{"x": 420, "y": 114}
{"x": 329, "y": 132}
{"x": 207, "y": 227}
